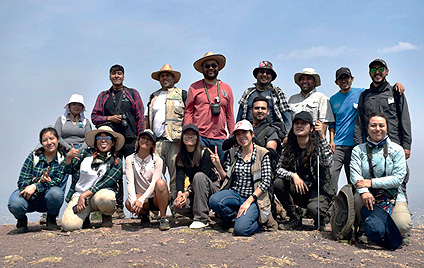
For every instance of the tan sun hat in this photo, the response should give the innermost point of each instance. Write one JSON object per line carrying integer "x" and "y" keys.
{"x": 167, "y": 68}
{"x": 91, "y": 136}
{"x": 308, "y": 71}
{"x": 210, "y": 56}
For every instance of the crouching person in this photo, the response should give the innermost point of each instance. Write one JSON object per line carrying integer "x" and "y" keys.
{"x": 38, "y": 183}
{"x": 297, "y": 178}
{"x": 95, "y": 186}
{"x": 146, "y": 190}
{"x": 244, "y": 198}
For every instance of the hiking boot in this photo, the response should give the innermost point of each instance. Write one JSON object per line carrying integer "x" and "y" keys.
{"x": 86, "y": 224}
{"x": 363, "y": 239}
{"x": 43, "y": 219}
{"x": 145, "y": 220}
{"x": 322, "y": 224}
{"x": 295, "y": 222}
{"x": 107, "y": 221}
{"x": 22, "y": 225}
{"x": 164, "y": 224}
{"x": 198, "y": 225}
{"x": 119, "y": 213}
{"x": 51, "y": 223}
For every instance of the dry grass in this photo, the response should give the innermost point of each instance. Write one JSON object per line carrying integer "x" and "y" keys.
{"x": 47, "y": 260}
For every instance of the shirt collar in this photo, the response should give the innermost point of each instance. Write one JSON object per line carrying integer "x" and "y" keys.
{"x": 253, "y": 158}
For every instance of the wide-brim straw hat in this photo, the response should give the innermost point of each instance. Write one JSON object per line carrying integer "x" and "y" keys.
{"x": 210, "y": 56}
{"x": 75, "y": 98}
{"x": 91, "y": 136}
{"x": 167, "y": 68}
{"x": 308, "y": 71}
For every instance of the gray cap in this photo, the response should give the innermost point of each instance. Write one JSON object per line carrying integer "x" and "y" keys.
{"x": 378, "y": 61}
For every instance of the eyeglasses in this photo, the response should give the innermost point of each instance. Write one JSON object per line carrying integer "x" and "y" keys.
{"x": 213, "y": 65}
{"x": 106, "y": 138}
{"x": 374, "y": 70}
{"x": 268, "y": 72}
{"x": 343, "y": 78}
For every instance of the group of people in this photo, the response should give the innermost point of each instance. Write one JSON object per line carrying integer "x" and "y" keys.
{"x": 277, "y": 150}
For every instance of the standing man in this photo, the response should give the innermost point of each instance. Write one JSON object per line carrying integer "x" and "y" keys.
{"x": 210, "y": 103}
{"x": 309, "y": 99}
{"x": 165, "y": 117}
{"x": 122, "y": 109}
{"x": 381, "y": 97}
{"x": 278, "y": 106}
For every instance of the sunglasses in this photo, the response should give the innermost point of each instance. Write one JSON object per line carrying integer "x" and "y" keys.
{"x": 374, "y": 70}
{"x": 106, "y": 138}
{"x": 213, "y": 65}
{"x": 268, "y": 72}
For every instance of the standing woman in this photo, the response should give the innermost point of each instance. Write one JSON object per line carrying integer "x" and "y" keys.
{"x": 194, "y": 162}
{"x": 38, "y": 182}
{"x": 146, "y": 190}
{"x": 94, "y": 187}
{"x": 247, "y": 170}
{"x": 296, "y": 180}
{"x": 380, "y": 184}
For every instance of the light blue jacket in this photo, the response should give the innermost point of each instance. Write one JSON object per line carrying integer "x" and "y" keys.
{"x": 395, "y": 168}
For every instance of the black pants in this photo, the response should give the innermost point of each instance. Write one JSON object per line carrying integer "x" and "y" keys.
{"x": 125, "y": 151}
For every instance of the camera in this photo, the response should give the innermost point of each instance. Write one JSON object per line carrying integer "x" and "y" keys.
{"x": 124, "y": 120}
{"x": 216, "y": 108}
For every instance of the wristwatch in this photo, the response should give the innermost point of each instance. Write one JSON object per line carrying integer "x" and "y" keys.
{"x": 255, "y": 197}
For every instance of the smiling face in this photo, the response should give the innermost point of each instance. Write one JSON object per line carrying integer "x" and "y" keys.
{"x": 377, "y": 128}
{"x": 264, "y": 77}
{"x": 190, "y": 138}
{"x": 210, "y": 69}
{"x": 307, "y": 83}
{"x": 260, "y": 111}
{"x": 166, "y": 80}
{"x": 244, "y": 137}
{"x": 104, "y": 142}
{"x": 117, "y": 78}
{"x": 301, "y": 128}
{"x": 145, "y": 142}
{"x": 378, "y": 73}
{"x": 49, "y": 142}
{"x": 75, "y": 108}
{"x": 344, "y": 82}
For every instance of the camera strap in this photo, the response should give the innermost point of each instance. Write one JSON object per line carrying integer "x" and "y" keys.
{"x": 118, "y": 107}
{"x": 207, "y": 93}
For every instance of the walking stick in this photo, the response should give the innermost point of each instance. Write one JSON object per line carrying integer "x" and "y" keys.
{"x": 319, "y": 211}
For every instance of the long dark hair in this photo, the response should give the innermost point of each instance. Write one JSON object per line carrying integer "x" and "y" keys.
{"x": 60, "y": 148}
{"x": 182, "y": 158}
{"x": 289, "y": 149}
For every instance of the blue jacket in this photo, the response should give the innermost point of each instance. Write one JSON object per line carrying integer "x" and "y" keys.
{"x": 395, "y": 168}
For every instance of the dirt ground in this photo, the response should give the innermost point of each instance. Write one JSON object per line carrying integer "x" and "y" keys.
{"x": 127, "y": 244}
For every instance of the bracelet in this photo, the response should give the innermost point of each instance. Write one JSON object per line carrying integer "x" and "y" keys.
{"x": 255, "y": 197}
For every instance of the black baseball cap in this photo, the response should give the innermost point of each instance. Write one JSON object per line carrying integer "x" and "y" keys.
{"x": 378, "y": 61}
{"x": 343, "y": 70}
{"x": 149, "y": 133}
{"x": 304, "y": 116}
{"x": 190, "y": 126}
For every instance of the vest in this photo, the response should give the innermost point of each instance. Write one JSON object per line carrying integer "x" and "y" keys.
{"x": 174, "y": 114}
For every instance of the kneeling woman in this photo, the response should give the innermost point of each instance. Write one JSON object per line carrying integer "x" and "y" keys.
{"x": 296, "y": 180}
{"x": 245, "y": 196}
{"x": 194, "y": 161}
{"x": 95, "y": 185}
{"x": 38, "y": 182}
{"x": 383, "y": 181}
{"x": 146, "y": 190}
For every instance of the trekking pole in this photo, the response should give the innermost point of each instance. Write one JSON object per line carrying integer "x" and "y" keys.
{"x": 319, "y": 211}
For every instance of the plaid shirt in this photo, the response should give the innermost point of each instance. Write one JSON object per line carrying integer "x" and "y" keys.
{"x": 279, "y": 101}
{"x": 98, "y": 117}
{"x": 108, "y": 181}
{"x": 29, "y": 172}
{"x": 242, "y": 175}
{"x": 325, "y": 159}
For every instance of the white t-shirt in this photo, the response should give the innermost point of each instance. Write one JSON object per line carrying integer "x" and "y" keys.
{"x": 159, "y": 114}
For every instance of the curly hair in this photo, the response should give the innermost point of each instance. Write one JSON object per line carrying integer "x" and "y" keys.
{"x": 289, "y": 149}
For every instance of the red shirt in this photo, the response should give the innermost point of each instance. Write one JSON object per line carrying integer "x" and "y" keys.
{"x": 198, "y": 110}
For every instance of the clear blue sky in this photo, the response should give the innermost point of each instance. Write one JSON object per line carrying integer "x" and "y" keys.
{"x": 52, "y": 49}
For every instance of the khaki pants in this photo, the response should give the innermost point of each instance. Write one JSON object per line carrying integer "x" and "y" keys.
{"x": 103, "y": 201}
{"x": 168, "y": 150}
{"x": 400, "y": 215}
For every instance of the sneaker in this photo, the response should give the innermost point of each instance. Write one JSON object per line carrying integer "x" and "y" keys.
{"x": 107, "y": 221}
{"x": 294, "y": 223}
{"x": 22, "y": 225}
{"x": 43, "y": 219}
{"x": 51, "y": 223}
{"x": 164, "y": 224}
{"x": 321, "y": 226}
{"x": 198, "y": 225}
{"x": 119, "y": 213}
{"x": 145, "y": 220}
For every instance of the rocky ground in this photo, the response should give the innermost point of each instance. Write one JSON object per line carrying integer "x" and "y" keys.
{"x": 127, "y": 244}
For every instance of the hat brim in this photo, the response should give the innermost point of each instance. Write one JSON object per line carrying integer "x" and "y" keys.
{"x": 91, "y": 136}
{"x": 256, "y": 70}
{"x": 218, "y": 57}
{"x": 316, "y": 77}
{"x": 176, "y": 74}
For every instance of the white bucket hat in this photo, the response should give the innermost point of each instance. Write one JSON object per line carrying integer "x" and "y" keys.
{"x": 75, "y": 98}
{"x": 308, "y": 71}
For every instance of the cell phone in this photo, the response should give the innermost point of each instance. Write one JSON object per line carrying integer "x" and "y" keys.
{"x": 74, "y": 208}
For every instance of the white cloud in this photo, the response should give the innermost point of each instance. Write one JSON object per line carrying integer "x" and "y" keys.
{"x": 401, "y": 46}
{"x": 313, "y": 52}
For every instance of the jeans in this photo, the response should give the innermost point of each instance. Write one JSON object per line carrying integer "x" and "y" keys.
{"x": 49, "y": 202}
{"x": 211, "y": 143}
{"x": 227, "y": 203}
